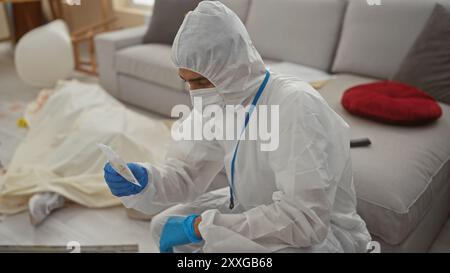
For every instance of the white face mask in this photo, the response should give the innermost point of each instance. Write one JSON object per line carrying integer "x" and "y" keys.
{"x": 209, "y": 96}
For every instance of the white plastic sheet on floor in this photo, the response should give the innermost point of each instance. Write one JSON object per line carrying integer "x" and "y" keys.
{"x": 60, "y": 153}
{"x": 10, "y": 134}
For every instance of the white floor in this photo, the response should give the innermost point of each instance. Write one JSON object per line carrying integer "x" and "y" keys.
{"x": 74, "y": 223}
{"x": 87, "y": 226}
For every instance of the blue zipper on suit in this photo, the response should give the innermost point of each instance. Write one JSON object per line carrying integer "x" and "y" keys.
{"x": 247, "y": 119}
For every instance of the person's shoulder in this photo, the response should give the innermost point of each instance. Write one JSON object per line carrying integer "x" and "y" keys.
{"x": 291, "y": 92}
{"x": 298, "y": 101}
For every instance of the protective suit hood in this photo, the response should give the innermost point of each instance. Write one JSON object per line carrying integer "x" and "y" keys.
{"x": 213, "y": 42}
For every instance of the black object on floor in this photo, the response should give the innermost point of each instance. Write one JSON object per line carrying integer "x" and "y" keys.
{"x": 360, "y": 142}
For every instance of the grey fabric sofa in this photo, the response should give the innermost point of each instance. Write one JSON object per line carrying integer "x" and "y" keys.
{"x": 402, "y": 180}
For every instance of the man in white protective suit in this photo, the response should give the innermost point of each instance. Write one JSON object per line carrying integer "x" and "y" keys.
{"x": 299, "y": 197}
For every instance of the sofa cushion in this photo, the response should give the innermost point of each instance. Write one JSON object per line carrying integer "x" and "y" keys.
{"x": 391, "y": 102}
{"x": 167, "y": 16}
{"x": 298, "y": 31}
{"x": 398, "y": 176}
{"x": 427, "y": 65}
{"x": 375, "y": 39}
{"x": 150, "y": 62}
{"x": 166, "y": 19}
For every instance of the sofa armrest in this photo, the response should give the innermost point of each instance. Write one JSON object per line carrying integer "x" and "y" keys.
{"x": 106, "y": 46}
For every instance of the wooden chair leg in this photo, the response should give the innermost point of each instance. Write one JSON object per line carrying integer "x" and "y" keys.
{"x": 88, "y": 66}
{"x": 76, "y": 55}
{"x": 92, "y": 55}
{"x": 56, "y": 9}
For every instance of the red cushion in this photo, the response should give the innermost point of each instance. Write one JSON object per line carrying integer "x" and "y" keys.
{"x": 391, "y": 102}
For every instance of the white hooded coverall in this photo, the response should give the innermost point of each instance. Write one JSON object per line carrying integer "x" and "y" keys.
{"x": 299, "y": 197}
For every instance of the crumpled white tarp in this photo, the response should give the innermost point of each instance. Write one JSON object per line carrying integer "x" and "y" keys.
{"x": 60, "y": 152}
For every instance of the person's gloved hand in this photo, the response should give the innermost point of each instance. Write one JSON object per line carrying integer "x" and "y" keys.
{"x": 119, "y": 186}
{"x": 177, "y": 231}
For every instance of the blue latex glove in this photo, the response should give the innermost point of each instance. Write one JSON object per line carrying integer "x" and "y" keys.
{"x": 177, "y": 231}
{"x": 119, "y": 186}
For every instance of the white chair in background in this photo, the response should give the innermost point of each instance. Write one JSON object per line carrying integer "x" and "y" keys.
{"x": 45, "y": 55}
